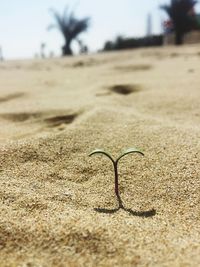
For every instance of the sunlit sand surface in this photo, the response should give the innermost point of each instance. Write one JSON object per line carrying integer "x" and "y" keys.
{"x": 58, "y": 206}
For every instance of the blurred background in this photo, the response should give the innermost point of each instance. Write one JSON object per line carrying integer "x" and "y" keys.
{"x": 28, "y": 28}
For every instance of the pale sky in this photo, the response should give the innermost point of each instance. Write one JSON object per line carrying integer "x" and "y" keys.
{"x": 23, "y": 24}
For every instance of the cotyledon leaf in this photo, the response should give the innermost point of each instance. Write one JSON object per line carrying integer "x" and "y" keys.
{"x": 115, "y": 163}
{"x": 101, "y": 151}
{"x": 129, "y": 151}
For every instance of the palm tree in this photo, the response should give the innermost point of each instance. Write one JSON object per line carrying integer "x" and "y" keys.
{"x": 181, "y": 12}
{"x": 70, "y": 27}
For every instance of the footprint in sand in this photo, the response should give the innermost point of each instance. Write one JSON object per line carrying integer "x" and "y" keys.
{"x": 56, "y": 121}
{"x": 85, "y": 63}
{"x": 11, "y": 97}
{"x": 124, "y": 89}
{"x": 49, "y": 119}
{"x": 19, "y": 117}
{"x": 131, "y": 68}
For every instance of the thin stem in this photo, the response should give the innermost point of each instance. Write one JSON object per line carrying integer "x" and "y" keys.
{"x": 116, "y": 179}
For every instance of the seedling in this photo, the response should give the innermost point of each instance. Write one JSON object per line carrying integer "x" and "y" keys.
{"x": 115, "y": 163}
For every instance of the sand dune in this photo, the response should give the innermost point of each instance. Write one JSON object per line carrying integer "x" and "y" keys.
{"x": 58, "y": 206}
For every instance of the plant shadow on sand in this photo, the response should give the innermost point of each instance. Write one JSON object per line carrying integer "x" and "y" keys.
{"x": 146, "y": 214}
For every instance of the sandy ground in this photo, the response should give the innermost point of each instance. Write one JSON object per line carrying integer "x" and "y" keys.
{"x": 57, "y": 205}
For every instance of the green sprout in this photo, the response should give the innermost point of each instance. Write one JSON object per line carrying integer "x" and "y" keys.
{"x": 115, "y": 163}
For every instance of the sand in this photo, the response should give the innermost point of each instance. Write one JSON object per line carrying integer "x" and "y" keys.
{"x": 57, "y": 205}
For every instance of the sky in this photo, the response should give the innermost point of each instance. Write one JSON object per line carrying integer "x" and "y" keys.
{"x": 23, "y": 24}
